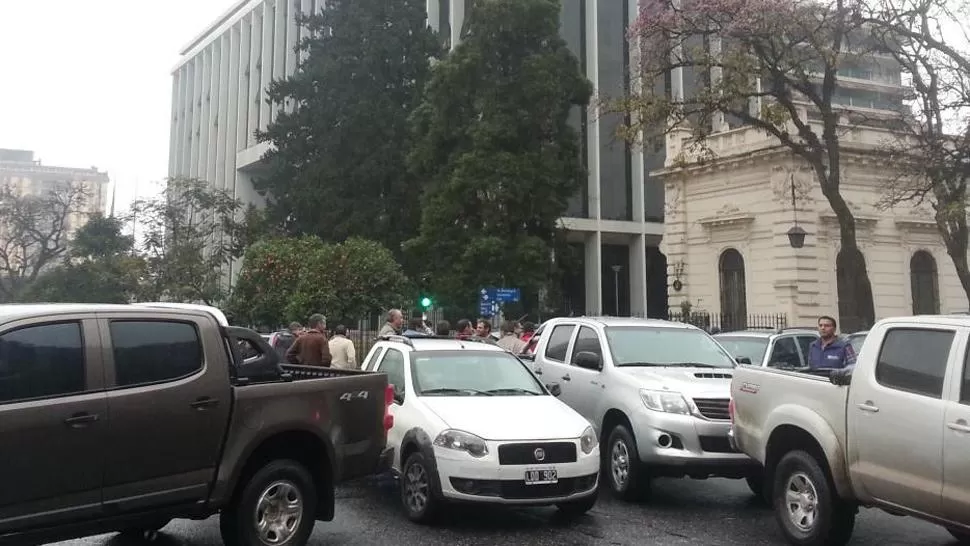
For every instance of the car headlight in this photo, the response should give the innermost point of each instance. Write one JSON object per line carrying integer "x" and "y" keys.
{"x": 665, "y": 401}
{"x": 462, "y": 441}
{"x": 588, "y": 441}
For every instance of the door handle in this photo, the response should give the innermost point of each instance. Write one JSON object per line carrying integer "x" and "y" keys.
{"x": 959, "y": 426}
{"x": 204, "y": 403}
{"x": 868, "y": 406}
{"x": 594, "y": 382}
{"x": 538, "y": 371}
{"x": 79, "y": 420}
{"x": 566, "y": 377}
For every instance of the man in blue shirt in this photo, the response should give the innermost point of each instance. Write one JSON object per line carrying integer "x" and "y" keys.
{"x": 829, "y": 351}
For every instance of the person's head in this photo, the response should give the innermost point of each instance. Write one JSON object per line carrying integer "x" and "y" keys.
{"x": 484, "y": 327}
{"x": 295, "y": 328}
{"x": 416, "y": 324}
{"x": 318, "y": 322}
{"x": 340, "y": 330}
{"x": 826, "y": 327}
{"x": 464, "y": 327}
{"x": 509, "y": 327}
{"x": 395, "y": 318}
{"x": 528, "y": 327}
{"x": 443, "y": 328}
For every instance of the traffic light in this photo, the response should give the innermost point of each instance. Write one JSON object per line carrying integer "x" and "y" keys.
{"x": 425, "y": 303}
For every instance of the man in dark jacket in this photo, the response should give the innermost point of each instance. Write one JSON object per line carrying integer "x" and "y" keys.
{"x": 312, "y": 348}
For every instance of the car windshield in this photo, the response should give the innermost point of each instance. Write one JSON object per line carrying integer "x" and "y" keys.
{"x": 471, "y": 373}
{"x": 651, "y": 346}
{"x": 750, "y": 347}
{"x": 856, "y": 340}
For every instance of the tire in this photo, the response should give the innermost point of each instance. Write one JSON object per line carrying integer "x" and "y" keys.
{"x": 815, "y": 515}
{"x": 418, "y": 489}
{"x": 963, "y": 537}
{"x": 758, "y": 487}
{"x": 577, "y": 508}
{"x": 621, "y": 464}
{"x": 282, "y": 492}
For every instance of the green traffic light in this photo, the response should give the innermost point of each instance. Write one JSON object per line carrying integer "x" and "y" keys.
{"x": 426, "y": 302}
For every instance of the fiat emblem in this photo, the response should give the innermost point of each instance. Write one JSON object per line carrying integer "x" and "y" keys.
{"x": 540, "y": 454}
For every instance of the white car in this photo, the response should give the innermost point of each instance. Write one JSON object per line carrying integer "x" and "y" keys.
{"x": 472, "y": 423}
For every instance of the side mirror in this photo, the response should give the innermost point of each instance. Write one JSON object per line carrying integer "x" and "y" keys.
{"x": 841, "y": 378}
{"x": 554, "y": 389}
{"x": 588, "y": 360}
{"x": 528, "y": 357}
{"x": 743, "y": 360}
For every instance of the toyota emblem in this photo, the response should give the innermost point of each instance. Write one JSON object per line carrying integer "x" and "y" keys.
{"x": 540, "y": 454}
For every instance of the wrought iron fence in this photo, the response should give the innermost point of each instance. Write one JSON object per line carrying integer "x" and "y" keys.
{"x": 727, "y": 322}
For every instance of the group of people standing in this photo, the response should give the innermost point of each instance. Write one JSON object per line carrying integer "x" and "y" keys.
{"x": 513, "y": 337}
{"x": 311, "y": 346}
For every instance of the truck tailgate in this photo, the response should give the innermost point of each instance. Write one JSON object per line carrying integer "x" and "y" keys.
{"x": 766, "y": 397}
{"x": 346, "y": 407}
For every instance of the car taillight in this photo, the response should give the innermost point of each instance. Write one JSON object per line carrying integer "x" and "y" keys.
{"x": 388, "y": 400}
{"x": 731, "y": 409}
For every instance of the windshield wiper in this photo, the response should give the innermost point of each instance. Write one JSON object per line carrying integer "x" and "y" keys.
{"x": 513, "y": 390}
{"x": 455, "y": 391}
{"x": 670, "y": 365}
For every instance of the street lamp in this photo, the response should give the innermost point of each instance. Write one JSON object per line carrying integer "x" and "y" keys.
{"x": 616, "y": 288}
{"x": 796, "y": 235}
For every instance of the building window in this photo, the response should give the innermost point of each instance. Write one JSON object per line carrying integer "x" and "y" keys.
{"x": 925, "y": 284}
{"x": 734, "y": 301}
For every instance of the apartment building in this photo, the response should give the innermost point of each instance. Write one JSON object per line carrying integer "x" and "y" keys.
{"x": 615, "y": 222}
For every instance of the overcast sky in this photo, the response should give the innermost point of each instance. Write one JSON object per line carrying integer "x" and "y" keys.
{"x": 87, "y": 82}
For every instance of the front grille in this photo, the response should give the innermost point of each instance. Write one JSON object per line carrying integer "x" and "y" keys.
{"x": 713, "y": 408}
{"x": 518, "y": 490}
{"x": 519, "y": 454}
{"x": 716, "y": 444}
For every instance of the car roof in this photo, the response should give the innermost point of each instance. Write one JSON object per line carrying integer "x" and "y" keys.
{"x": 440, "y": 343}
{"x": 15, "y": 311}
{"x": 622, "y": 321}
{"x": 960, "y": 320}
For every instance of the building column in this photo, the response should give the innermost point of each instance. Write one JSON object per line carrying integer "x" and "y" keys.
{"x": 593, "y": 132}
{"x": 434, "y": 11}
{"x": 594, "y": 273}
{"x": 457, "y": 20}
{"x": 638, "y": 276}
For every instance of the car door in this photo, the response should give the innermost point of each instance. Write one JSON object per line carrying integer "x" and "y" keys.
{"x": 551, "y": 365}
{"x": 956, "y": 445}
{"x": 895, "y": 416}
{"x": 169, "y": 399}
{"x": 393, "y": 363}
{"x": 804, "y": 345}
{"x": 53, "y": 419}
{"x": 586, "y": 385}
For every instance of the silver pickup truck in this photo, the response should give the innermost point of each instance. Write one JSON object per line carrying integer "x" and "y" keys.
{"x": 656, "y": 392}
{"x": 892, "y": 433}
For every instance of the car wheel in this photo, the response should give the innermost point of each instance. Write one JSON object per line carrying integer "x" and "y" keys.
{"x": 757, "y": 486}
{"x": 807, "y": 507}
{"x": 277, "y": 507}
{"x": 963, "y": 537}
{"x": 417, "y": 489}
{"x": 576, "y": 508}
{"x": 621, "y": 464}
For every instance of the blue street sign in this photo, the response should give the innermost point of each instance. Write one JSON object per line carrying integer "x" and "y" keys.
{"x": 508, "y": 295}
{"x": 487, "y": 302}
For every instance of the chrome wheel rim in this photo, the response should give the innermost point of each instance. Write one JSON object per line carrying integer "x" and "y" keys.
{"x": 620, "y": 464}
{"x": 279, "y": 512}
{"x": 416, "y": 488}
{"x": 801, "y": 501}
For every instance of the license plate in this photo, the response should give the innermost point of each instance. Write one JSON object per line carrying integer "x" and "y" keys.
{"x": 541, "y": 476}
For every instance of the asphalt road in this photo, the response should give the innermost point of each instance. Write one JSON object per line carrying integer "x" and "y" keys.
{"x": 681, "y": 512}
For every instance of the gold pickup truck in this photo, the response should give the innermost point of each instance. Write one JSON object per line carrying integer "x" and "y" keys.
{"x": 893, "y": 432}
{"x": 123, "y": 417}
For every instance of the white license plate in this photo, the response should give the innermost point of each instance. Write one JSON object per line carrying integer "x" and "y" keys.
{"x": 541, "y": 476}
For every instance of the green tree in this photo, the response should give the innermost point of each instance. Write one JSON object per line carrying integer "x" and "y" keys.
{"x": 100, "y": 267}
{"x": 497, "y": 152}
{"x": 290, "y": 279}
{"x": 192, "y": 231}
{"x": 338, "y": 159}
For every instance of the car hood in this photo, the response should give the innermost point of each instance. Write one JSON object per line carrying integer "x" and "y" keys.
{"x": 508, "y": 417}
{"x": 693, "y": 382}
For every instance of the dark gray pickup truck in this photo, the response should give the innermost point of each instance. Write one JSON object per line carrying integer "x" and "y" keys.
{"x": 123, "y": 417}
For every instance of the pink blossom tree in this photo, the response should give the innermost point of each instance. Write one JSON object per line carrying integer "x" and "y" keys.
{"x": 769, "y": 64}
